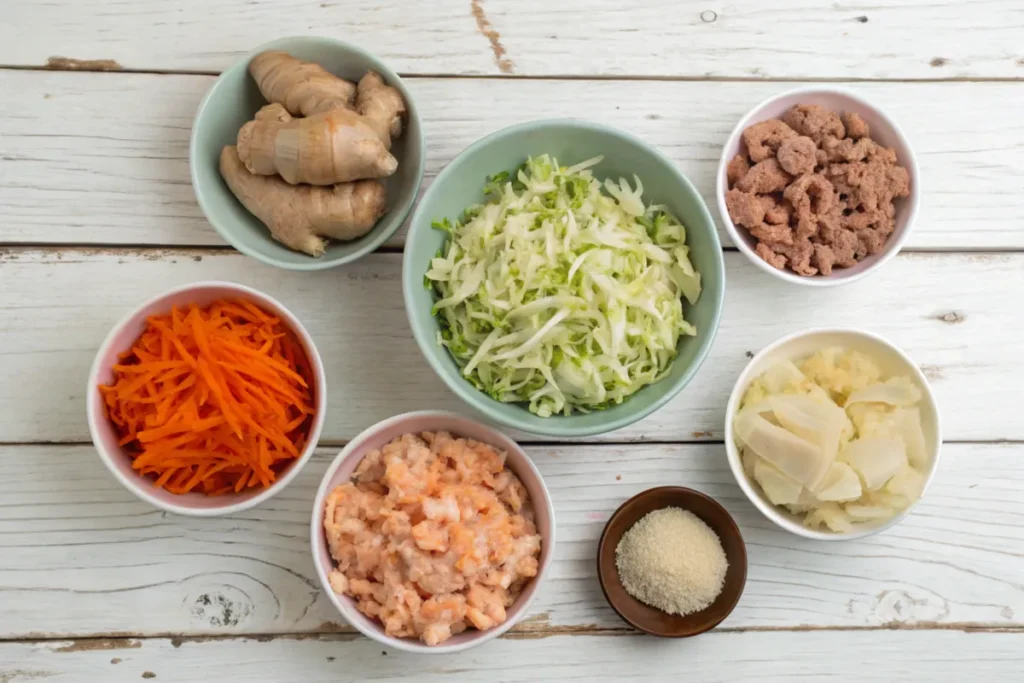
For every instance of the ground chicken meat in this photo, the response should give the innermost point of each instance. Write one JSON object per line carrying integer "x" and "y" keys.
{"x": 744, "y": 208}
{"x": 770, "y": 257}
{"x": 856, "y": 127}
{"x": 821, "y": 192}
{"x": 764, "y": 139}
{"x": 765, "y": 177}
{"x": 814, "y": 121}
{"x": 797, "y": 155}
{"x": 737, "y": 168}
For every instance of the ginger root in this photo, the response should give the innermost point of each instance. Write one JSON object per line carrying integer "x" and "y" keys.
{"x": 301, "y": 216}
{"x": 336, "y": 146}
{"x": 381, "y": 107}
{"x": 304, "y": 88}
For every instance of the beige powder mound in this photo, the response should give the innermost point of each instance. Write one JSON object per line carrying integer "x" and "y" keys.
{"x": 672, "y": 560}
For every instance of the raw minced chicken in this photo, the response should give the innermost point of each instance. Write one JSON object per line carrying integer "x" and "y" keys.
{"x": 432, "y": 536}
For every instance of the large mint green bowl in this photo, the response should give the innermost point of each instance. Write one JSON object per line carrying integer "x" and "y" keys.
{"x": 234, "y": 99}
{"x": 461, "y": 183}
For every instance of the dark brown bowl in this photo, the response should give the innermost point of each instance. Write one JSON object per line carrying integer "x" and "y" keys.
{"x": 654, "y": 621}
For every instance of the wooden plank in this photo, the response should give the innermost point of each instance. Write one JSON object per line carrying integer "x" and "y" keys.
{"x": 741, "y": 39}
{"x": 120, "y": 174}
{"x": 81, "y": 557}
{"x": 876, "y": 656}
{"x": 956, "y": 315}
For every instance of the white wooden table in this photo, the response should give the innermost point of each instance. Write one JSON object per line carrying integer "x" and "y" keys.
{"x": 96, "y": 213}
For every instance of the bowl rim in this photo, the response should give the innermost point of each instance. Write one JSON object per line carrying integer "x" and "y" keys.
{"x": 770, "y": 511}
{"x": 560, "y": 425}
{"x": 892, "y": 246}
{"x": 683, "y": 492}
{"x": 137, "y": 485}
{"x": 396, "y": 215}
{"x": 316, "y": 531}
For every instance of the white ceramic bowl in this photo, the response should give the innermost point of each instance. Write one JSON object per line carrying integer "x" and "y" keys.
{"x": 378, "y": 435}
{"x": 883, "y": 131}
{"x": 796, "y": 347}
{"x": 105, "y": 438}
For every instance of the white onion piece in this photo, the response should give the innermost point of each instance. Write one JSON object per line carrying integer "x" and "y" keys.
{"x": 811, "y": 420}
{"x": 748, "y": 459}
{"x": 762, "y": 408}
{"x": 876, "y": 459}
{"x": 830, "y": 515}
{"x": 795, "y": 457}
{"x": 840, "y": 484}
{"x": 896, "y": 393}
{"x": 867, "y": 513}
{"x": 781, "y": 376}
{"x": 908, "y": 427}
{"x": 780, "y": 489}
{"x": 908, "y": 483}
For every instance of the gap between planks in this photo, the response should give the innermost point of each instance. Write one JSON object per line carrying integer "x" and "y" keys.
{"x": 104, "y": 67}
{"x": 120, "y": 640}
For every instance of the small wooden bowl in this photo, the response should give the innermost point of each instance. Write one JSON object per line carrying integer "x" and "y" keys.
{"x": 652, "y": 620}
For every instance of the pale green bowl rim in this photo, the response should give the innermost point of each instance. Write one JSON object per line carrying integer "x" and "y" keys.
{"x": 560, "y": 426}
{"x": 395, "y": 216}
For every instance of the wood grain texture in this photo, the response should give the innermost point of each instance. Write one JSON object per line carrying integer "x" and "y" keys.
{"x": 81, "y": 557}
{"x": 958, "y": 316}
{"x": 741, "y": 39}
{"x": 877, "y": 657}
{"x": 85, "y": 160}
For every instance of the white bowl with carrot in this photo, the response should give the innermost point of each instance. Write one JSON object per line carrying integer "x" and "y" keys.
{"x": 206, "y": 400}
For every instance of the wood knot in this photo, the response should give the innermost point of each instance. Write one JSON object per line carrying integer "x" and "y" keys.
{"x": 708, "y": 16}
{"x": 861, "y": 19}
{"x": 953, "y": 317}
{"x": 939, "y": 61}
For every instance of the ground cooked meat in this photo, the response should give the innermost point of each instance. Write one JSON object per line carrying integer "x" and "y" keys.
{"x": 771, "y": 258}
{"x": 744, "y": 208}
{"x": 737, "y": 168}
{"x": 797, "y": 155}
{"x": 763, "y": 139}
{"x": 856, "y": 127}
{"x": 814, "y": 190}
{"x": 778, "y": 213}
{"x": 764, "y": 177}
{"x": 814, "y": 121}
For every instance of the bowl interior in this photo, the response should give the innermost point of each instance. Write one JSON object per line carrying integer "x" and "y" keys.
{"x": 461, "y": 185}
{"x": 121, "y": 339}
{"x": 377, "y": 436}
{"x": 650, "y": 619}
{"x": 883, "y": 131}
{"x": 797, "y": 347}
{"x": 234, "y": 99}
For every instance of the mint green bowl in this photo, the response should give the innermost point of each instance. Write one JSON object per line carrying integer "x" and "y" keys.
{"x": 234, "y": 99}
{"x": 461, "y": 183}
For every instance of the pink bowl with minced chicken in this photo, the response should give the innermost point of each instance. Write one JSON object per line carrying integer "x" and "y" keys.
{"x": 435, "y": 524}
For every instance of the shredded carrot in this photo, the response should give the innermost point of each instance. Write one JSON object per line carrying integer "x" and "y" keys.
{"x": 214, "y": 399}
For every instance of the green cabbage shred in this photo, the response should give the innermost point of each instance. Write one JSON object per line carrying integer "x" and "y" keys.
{"x": 560, "y": 291}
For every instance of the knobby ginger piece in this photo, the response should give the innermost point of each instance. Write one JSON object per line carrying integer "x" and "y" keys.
{"x": 301, "y": 216}
{"x": 303, "y": 88}
{"x": 336, "y": 146}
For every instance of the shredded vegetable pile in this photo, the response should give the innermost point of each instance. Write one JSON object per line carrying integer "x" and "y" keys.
{"x": 213, "y": 399}
{"x": 561, "y": 291}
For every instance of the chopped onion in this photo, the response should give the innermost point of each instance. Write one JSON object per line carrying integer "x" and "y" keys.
{"x": 896, "y": 393}
{"x": 867, "y": 513}
{"x": 830, "y": 515}
{"x": 840, "y": 484}
{"x": 876, "y": 459}
{"x": 797, "y": 458}
{"x": 908, "y": 426}
{"x": 780, "y": 489}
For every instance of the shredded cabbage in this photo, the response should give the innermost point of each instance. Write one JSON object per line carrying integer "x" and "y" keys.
{"x": 562, "y": 292}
